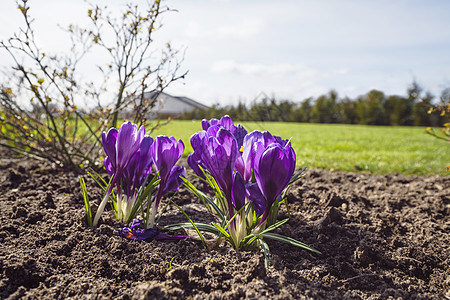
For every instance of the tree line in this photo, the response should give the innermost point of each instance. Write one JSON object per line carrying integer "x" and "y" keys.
{"x": 373, "y": 108}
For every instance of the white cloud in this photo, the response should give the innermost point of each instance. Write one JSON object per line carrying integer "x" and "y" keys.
{"x": 244, "y": 29}
{"x": 349, "y": 89}
{"x": 342, "y": 71}
{"x": 263, "y": 70}
{"x": 235, "y": 30}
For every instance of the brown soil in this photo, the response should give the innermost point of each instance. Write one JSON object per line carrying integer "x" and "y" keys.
{"x": 380, "y": 236}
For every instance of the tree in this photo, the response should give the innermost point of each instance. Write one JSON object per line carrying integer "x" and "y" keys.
{"x": 441, "y": 113}
{"x": 69, "y": 135}
{"x": 414, "y": 92}
{"x": 129, "y": 52}
{"x": 303, "y": 112}
{"x": 370, "y": 108}
{"x": 347, "y": 111}
{"x": 420, "y": 113}
{"x": 397, "y": 110}
{"x": 325, "y": 109}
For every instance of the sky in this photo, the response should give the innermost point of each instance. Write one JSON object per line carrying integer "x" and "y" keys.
{"x": 236, "y": 50}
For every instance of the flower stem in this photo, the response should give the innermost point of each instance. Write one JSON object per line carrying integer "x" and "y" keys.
{"x": 102, "y": 205}
{"x": 151, "y": 222}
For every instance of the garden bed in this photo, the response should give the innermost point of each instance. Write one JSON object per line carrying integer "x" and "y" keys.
{"x": 380, "y": 236}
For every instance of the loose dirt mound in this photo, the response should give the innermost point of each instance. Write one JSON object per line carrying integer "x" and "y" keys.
{"x": 380, "y": 237}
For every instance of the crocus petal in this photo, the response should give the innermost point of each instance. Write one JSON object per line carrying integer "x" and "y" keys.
{"x": 226, "y": 122}
{"x": 212, "y": 131}
{"x": 219, "y": 157}
{"x": 109, "y": 145}
{"x": 149, "y": 234}
{"x": 268, "y": 138}
{"x": 239, "y": 133}
{"x": 256, "y": 197}
{"x": 225, "y": 137}
{"x": 180, "y": 147}
{"x": 140, "y": 234}
{"x": 249, "y": 144}
{"x": 174, "y": 179}
{"x": 273, "y": 171}
{"x": 108, "y": 166}
{"x": 238, "y": 191}
{"x": 281, "y": 141}
{"x": 240, "y": 166}
{"x": 143, "y": 165}
{"x": 136, "y": 223}
{"x": 166, "y": 152}
{"x": 127, "y": 177}
{"x": 194, "y": 163}
{"x": 128, "y": 142}
{"x": 206, "y": 124}
{"x": 196, "y": 140}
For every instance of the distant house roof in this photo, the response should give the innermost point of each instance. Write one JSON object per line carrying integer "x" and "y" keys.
{"x": 173, "y": 105}
{"x": 168, "y": 105}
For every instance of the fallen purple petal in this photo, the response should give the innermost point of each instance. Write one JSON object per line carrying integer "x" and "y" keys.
{"x": 149, "y": 234}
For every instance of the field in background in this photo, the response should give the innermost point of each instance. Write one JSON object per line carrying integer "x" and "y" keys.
{"x": 374, "y": 149}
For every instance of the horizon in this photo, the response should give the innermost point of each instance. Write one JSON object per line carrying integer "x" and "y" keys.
{"x": 290, "y": 50}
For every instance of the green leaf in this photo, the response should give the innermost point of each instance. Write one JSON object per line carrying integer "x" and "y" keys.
{"x": 103, "y": 184}
{"x": 288, "y": 240}
{"x": 297, "y": 176}
{"x": 194, "y": 190}
{"x": 164, "y": 209}
{"x": 201, "y": 226}
{"x": 151, "y": 185}
{"x": 192, "y": 223}
{"x": 266, "y": 252}
{"x": 220, "y": 213}
{"x": 138, "y": 204}
{"x": 273, "y": 226}
{"x": 86, "y": 202}
{"x": 207, "y": 201}
{"x": 248, "y": 240}
{"x": 213, "y": 184}
{"x": 223, "y": 231}
{"x": 170, "y": 264}
{"x": 234, "y": 216}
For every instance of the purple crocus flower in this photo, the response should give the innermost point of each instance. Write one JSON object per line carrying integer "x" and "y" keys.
{"x": 216, "y": 150}
{"x": 238, "y": 131}
{"x": 133, "y": 177}
{"x": 250, "y": 142}
{"x": 120, "y": 146}
{"x": 274, "y": 166}
{"x": 219, "y": 155}
{"x": 198, "y": 139}
{"x": 139, "y": 167}
{"x": 149, "y": 234}
{"x": 195, "y": 158}
{"x": 166, "y": 151}
{"x": 174, "y": 181}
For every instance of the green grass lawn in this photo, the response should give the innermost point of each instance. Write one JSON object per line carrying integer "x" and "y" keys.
{"x": 373, "y": 149}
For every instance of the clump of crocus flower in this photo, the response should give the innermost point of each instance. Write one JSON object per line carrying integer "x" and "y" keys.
{"x": 249, "y": 175}
{"x": 130, "y": 157}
